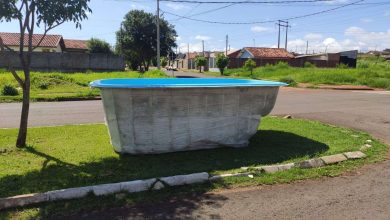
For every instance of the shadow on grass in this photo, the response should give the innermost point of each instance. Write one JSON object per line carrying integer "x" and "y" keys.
{"x": 266, "y": 147}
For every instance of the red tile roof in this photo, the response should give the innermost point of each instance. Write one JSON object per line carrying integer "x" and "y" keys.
{"x": 13, "y": 39}
{"x": 262, "y": 52}
{"x": 76, "y": 44}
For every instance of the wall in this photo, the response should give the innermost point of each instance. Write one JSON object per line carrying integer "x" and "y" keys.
{"x": 57, "y": 49}
{"x": 67, "y": 62}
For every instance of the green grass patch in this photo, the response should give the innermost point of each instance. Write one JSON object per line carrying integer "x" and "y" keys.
{"x": 372, "y": 72}
{"x": 73, "y": 156}
{"x": 65, "y": 86}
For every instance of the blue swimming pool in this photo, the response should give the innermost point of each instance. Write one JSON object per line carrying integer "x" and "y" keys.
{"x": 149, "y": 116}
{"x": 181, "y": 83}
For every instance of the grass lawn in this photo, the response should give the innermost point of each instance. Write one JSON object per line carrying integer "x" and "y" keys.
{"x": 72, "y": 156}
{"x": 373, "y": 72}
{"x": 65, "y": 86}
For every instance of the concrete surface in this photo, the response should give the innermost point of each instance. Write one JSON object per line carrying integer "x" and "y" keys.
{"x": 150, "y": 121}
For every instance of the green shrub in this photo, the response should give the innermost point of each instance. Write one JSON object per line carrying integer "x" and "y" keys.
{"x": 43, "y": 85}
{"x": 309, "y": 65}
{"x": 9, "y": 90}
{"x": 282, "y": 65}
{"x": 379, "y": 83}
{"x": 342, "y": 66}
{"x": 289, "y": 80}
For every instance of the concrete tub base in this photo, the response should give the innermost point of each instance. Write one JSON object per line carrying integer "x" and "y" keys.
{"x": 160, "y": 120}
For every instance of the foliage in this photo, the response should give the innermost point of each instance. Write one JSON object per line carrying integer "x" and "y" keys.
{"x": 99, "y": 46}
{"x": 309, "y": 65}
{"x": 222, "y": 62}
{"x": 9, "y": 90}
{"x": 163, "y": 61}
{"x": 200, "y": 61}
{"x": 370, "y": 71}
{"x": 250, "y": 65}
{"x": 289, "y": 80}
{"x": 342, "y": 66}
{"x": 136, "y": 39}
{"x": 74, "y": 156}
{"x": 30, "y": 14}
{"x": 55, "y": 86}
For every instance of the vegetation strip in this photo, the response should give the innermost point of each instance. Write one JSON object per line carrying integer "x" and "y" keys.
{"x": 159, "y": 183}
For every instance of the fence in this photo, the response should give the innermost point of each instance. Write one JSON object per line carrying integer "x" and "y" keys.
{"x": 66, "y": 62}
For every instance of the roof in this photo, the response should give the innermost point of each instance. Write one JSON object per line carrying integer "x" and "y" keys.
{"x": 76, "y": 44}
{"x": 13, "y": 39}
{"x": 262, "y": 52}
{"x": 233, "y": 53}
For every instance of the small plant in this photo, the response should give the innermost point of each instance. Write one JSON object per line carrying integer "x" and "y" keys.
{"x": 309, "y": 65}
{"x": 342, "y": 66}
{"x": 222, "y": 62}
{"x": 200, "y": 61}
{"x": 164, "y": 61}
{"x": 289, "y": 80}
{"x": 43, "y": 85}
{"x": 9, "y": 90}
{"x": 282, "y": 65}
{"x": 250, "y": 65}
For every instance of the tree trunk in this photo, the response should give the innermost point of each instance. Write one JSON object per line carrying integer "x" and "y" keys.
{"x": 200, "y": 69}
{"x": 22, "y": 135}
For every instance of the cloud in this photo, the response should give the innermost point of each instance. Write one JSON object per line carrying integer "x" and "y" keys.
{"x": 386, "y": 14}
{"x": 139, "y": 7}
{"x": 202, "y": 37}
{"x": 178, "y": 38}
{"x": 176, "y": 6}
{"x": 259, "y": 29}
{"x": 366, "y": 20}
{"x": 313, "y": 37}
{"x": 355, "y": 38}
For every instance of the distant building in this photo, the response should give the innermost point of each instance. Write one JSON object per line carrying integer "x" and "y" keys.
{"x": 260, "y": 55}
{"x": 50, "y": 43}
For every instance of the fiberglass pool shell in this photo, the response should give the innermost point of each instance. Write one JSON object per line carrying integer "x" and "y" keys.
{"x": 148, "y": 116}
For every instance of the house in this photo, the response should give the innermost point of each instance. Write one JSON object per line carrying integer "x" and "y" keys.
{"x": 260, "y": 55}
{"x": 50, "y": 43}
{"x": 186, "y": 61}
{"x": 329, "y": 60}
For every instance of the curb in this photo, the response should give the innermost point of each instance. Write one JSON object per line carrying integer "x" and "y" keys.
{"x": 170, "y": 181}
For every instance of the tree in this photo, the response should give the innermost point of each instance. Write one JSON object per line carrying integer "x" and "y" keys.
{"x": 99, "y": 46}
{"x": 30, "y": 14}
{"x": 164, "y": 61}
{"x": 250, "y": 65}
{"x": 137, "y": 37}
{"x": 222, "y": 62}
{"x": 200, "y": 61}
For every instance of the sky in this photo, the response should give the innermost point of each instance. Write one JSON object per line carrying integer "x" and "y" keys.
{"x": 364, "y": 26}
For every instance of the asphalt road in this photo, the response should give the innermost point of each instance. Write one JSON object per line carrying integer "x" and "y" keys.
{"x": 363, "y": 194}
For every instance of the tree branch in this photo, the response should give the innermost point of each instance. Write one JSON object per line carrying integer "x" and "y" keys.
{"x": 17, "y": 77}
{"x": 47, "y": 29}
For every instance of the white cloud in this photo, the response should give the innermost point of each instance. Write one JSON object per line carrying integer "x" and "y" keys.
{"x": 176, "y": 6}
{"x": 202, "y": 37}
{"x": 139, "y": 7}
{"x": 366, "y": 20}
{"x": 197, "y": 47}
{"x": 386, "y": 14}
{"x": 356, "y": 38}
{"x": 178, "y": 38}
{"x": 259, "y": 29}
{"x": 313, "y": 37}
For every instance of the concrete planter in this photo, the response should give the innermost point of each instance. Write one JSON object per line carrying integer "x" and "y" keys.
{"x": 162, "y": 119}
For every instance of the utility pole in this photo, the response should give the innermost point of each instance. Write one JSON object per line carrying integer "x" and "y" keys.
{"x": 158, "y": 34}
{"x": 282, "y": 24}
{"x": 307, "y": 46}
{"x": 287, "y": 26}
{"x": 227, "y": 42}
{"x": 203, "y": 47}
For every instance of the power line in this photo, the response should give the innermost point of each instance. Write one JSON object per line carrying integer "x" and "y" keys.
{"x": 267, "y": 21}
{"x": 245, "y": 2}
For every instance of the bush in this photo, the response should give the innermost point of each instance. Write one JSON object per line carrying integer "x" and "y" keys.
{"x": 43, "y": 85}
{"x": 282, "y": 65}
{"x": 9, "y": 90}
{"x": 309, "y": 65}
{"x": 99, "y": 46}
{"x": 289, "y": 80}
{"x": 342, "y": 66}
